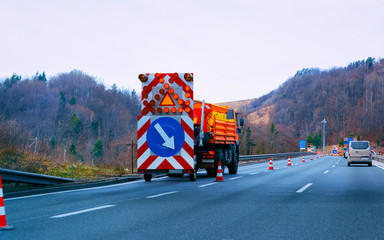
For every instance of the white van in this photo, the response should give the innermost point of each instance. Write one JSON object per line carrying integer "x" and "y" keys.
{"x": 359, "y": 152}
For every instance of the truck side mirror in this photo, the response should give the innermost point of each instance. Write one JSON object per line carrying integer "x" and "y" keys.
{"x": 241, "y": 122}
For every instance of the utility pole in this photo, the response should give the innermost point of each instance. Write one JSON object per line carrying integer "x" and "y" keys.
{"x": 35, "y": 145}
{"x": 132, "y": 144}
{"x": 324, "y": 122}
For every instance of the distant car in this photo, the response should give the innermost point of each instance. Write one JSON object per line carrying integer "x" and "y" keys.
{"x": 359, "y": 152}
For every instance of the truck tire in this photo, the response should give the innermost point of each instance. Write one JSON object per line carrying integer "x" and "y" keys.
{"x": 147, "y": 177}
{"x": 192, "y": 177}
{"x": 219, "y": 157}
{"x": 211, "y": 172}
{"x": 234, "y": 166}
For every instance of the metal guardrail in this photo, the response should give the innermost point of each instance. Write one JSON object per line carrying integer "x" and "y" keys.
{"x": 276, "y": 155}
{"x": 34, "y": 178}
{"x": 378, "y": 157}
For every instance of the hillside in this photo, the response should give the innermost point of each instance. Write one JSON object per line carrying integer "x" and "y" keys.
{"x": 351, "y": 99}
{"x": 73, "y": 117}
{"x": 77, "y": 120}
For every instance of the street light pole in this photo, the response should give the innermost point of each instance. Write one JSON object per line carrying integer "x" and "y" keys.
{"x": 324, "y": 122}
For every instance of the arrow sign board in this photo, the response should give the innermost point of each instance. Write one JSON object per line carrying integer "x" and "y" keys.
{"x": 165, "y": 137}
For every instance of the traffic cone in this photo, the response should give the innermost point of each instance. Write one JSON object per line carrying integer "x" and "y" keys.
{"x": 289, "y": 161}
{"x": 3, "y": 221}
{"x": 219, "y": 175}
{"x": 317, "y": 156}
{"x": 303, "y": 159}
{"x": 270, "y": 164}
{"x": 311, "y": 157}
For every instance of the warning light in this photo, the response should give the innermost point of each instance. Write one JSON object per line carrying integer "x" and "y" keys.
{"x": 180, "y": 110}
{"x": 145, "y": 88}
{"x": 157, "y": 75}
{"x": 166, "y": 110}
{"x": 187, "y": 102}
{"x": 162, "y": 91}
{"x": 161, "y": 80}
{"x": 173, "y": 109}
{"x": 180, "y": 102}
{"x": 171, "y": 80}
{"x": 143, "y": 78}
{"x": 145, "y": 95}
{"x": 188, "y": 109}
{"x": 167, "y": 101}
{"x": 157, "y": 97}
{"x": 188, "y": 77}
{"x": 176, "y": 96}
{"x": 171, "y": 91}
{"x": 187, "y": 95}
{"x": 166, "y": 86}
{"x": 152, "y": 102}
{"x": 176, "y": 75}
{"x": 145, "y": 102}
{"x": 152, "y": 110}
{"x": 187, "y": 88}
{"x": 145, "y": 110}
{"x": 159, "y": 110}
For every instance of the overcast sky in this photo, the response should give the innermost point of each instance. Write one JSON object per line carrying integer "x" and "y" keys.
{"x": 236, "y": 49}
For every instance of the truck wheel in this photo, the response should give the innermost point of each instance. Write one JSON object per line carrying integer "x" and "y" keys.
{"x": 147, "y": 177}
{"x": 192, "y": 177}
{"x": 211, "y": 172}
{"x": 234, "y": 166}
{"x": 219, "y": 157}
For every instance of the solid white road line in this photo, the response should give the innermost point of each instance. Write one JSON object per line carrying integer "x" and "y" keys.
{"x": 235, "y": 178}
{"x": 161, "y": 194}
{"x": 326, "y": 172}
{"x": 76, "y": 190}
{"x": 254, "y": 173}
{"x": 206, "y": 185}
{"x": 303, "y": 188}
{"x": 82, "y": 211}
{"x": 378, "y": 164}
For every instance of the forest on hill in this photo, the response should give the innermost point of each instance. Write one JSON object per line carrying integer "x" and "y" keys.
{"x": 77, "y": 120}
{"x": 350, "y": 98}
{"x": 73, "y": 117}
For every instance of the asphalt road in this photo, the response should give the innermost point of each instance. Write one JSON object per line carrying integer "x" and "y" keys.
{"x": 319, "y": 199}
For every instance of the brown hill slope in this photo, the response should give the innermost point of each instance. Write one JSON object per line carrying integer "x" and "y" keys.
{"x": 351, "y": 99}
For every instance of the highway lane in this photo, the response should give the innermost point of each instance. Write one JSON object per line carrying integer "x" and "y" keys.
{"x": 318, "y": 199}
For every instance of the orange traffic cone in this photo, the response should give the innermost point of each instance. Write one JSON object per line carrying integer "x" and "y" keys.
{"x": 289, "y": 161}
{"x": 270, "y": 164}
{"x": 3, "y": 221}
{"x": 303, "y": 159}
{"x": 219, "y": 175}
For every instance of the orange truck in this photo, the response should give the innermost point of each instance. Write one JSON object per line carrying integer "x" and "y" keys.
{"x": 177, "y": 135}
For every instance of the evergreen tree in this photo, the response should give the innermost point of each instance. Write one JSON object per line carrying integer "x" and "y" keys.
{"x": 98, "y": 150}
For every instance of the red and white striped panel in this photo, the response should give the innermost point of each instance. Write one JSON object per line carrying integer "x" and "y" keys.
{"x": 147, "y": 160}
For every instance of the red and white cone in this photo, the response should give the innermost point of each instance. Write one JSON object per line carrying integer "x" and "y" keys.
{"x": 3, "y": 221}
{"x": 303, "y": 159}
{"x": 219, "y": 175}
{"x": 311, "y": 157}
{"x": 270, "y": 164}
{"x": 289, "y": 161}
{"x": 317, "y": 156}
